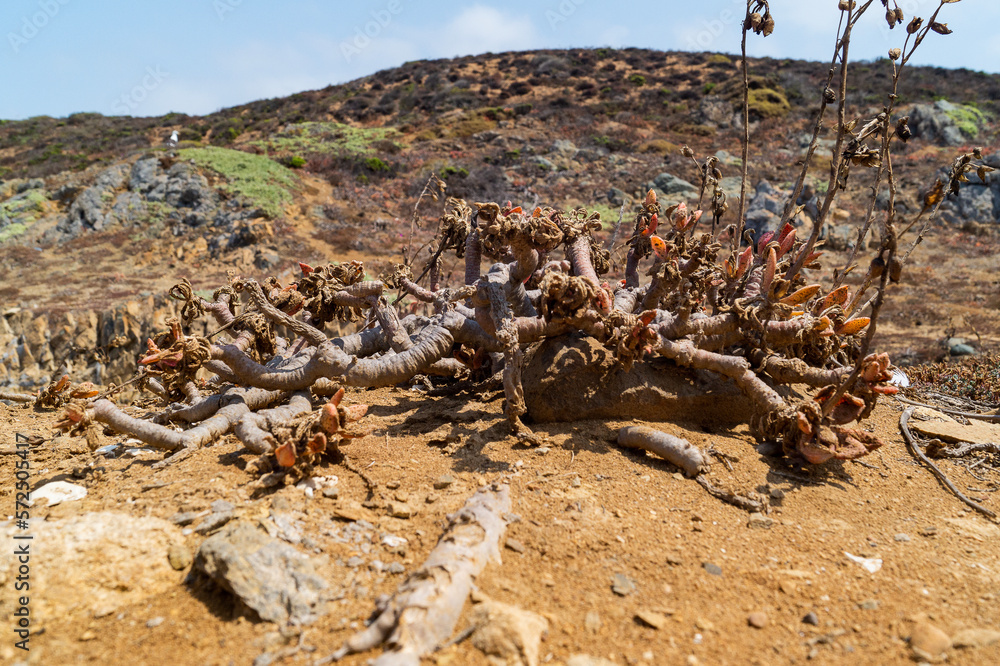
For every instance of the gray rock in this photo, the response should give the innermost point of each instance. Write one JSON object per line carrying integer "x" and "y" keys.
{"x": 715, "y": 110}
{"x": 564, "y": 147}
{"x": 935, "y": 122}
{"x": 220, "y": 506}
{"x": 187, "y": 188}
{"x": 30, "y": 184}
{"x": 811, "y": 618}
{"x": 962, "y": 350}
{"x": 269, "y": 576}
{"x": 616, "y": 197}
{"x": 622, "y": 585}
{"x": 544, "y": 163}
{"x": 213, "y": 522}
{"x": 128, "y": 208}
{"x": 974, "y": 202}
{"x": 671, "y": 186}
{"x": 711, "y": 568}
{"x": 146, "y": 175}
{"x": 87, "y": 212}
{"x": 902, "y": 537}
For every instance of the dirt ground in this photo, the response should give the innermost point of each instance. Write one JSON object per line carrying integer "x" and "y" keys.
{"x": 586, "y": 511}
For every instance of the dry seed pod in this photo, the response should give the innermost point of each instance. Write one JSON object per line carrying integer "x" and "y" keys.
{"x": 941, "y": 28}
{"x": 914, "y": 25}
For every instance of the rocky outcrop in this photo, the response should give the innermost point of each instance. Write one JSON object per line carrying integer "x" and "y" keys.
{"x": 671, "y": 188}
{"x": 97, "y": 346}
{"x": 946, "y": 123}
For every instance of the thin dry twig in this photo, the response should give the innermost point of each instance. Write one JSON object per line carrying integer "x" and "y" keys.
{"x": 912, "y": 444}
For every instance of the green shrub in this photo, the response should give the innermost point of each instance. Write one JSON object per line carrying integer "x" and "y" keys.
{"x": 376, "y": 165}
{"x": 709, "y": 87}
{"x": 638, "y": 80}
{"x": 450, "y": 170}
{"x": 297, "y": 162}
{"x": 768, "y": 103}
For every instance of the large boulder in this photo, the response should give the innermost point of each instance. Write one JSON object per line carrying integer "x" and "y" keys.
{"x": 573, "y": 377}
{"x": 92, "y": 564}
{"x": 946, "y": 123}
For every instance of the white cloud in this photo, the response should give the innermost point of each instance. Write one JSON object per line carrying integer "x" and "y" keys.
{"x": 481, "y": 29}
{"x": 615, "y": 36}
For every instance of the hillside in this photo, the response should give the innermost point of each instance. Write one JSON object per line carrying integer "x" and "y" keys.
{"x": 337, "y": 172}
{"x": 608, "y": 556}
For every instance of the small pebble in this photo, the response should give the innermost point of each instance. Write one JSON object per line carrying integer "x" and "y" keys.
{"x": 179, "y": 557}
{"x": 622, "y": 585}
{"x": 354, "y": 562}
{"x": 213, "y": 522}
{"x": 395, "y": 568}
{"x": 592, "y": 622}
{"x": 514, "y": 545}
{"x": 392, "y": 485}
{"x": 811, "y": 618}
{"x": 928, "y": 642}
{"x": 674, "y": 559}
{"x": 869, "y": 604}
{"x": 651, "y": 619}
{"x": 777, "y": 493}
{"x": 433, "y": 497}
{"x": 576, "y": 483}
{"x": 759, "y": 521}
{"x": 154, "y": 622}
{"x": 185, "y": 518}
{"x": 443, "y": 482}
{"x": 542, "y": 450}
{"x": 713, "y": 569}
{"x": 400, "y": 510}
{"x": 757, "y": 620}
{"x": 902, "y": 537}
{"x": 221, "y": 506}
{"x": 331, "y": 492}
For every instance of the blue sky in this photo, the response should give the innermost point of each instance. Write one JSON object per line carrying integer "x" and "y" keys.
{"x": 196, "y": 56}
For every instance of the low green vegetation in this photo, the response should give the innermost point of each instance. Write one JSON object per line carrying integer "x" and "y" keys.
{"x": 968, "y": 119}
{"x": 768, "y": 103}
{"x": 327, "y": 138}
{"x": 12, "y": 231}
{"x": 261, "y": 180}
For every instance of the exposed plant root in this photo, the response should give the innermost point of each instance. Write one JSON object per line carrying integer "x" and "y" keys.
{"x": 904, "y": 419}
{"x": 423, "y": 612}
{"x": 689, "y": 458}
{"x": 14, "y": 396}
{"x": 675, "y": 450}
{"x": 752, "y": 503}
{"x": 953, "y": 412}
{"x": 962, "y": 450}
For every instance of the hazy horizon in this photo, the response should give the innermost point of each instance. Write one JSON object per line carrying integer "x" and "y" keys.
{"x": 200, "y": 56}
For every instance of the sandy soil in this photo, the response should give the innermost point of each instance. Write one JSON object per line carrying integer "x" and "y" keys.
{"x": 588, "y": 510}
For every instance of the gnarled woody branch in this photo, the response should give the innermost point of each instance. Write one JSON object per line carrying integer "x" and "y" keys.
{"x": 423, "y": 612}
